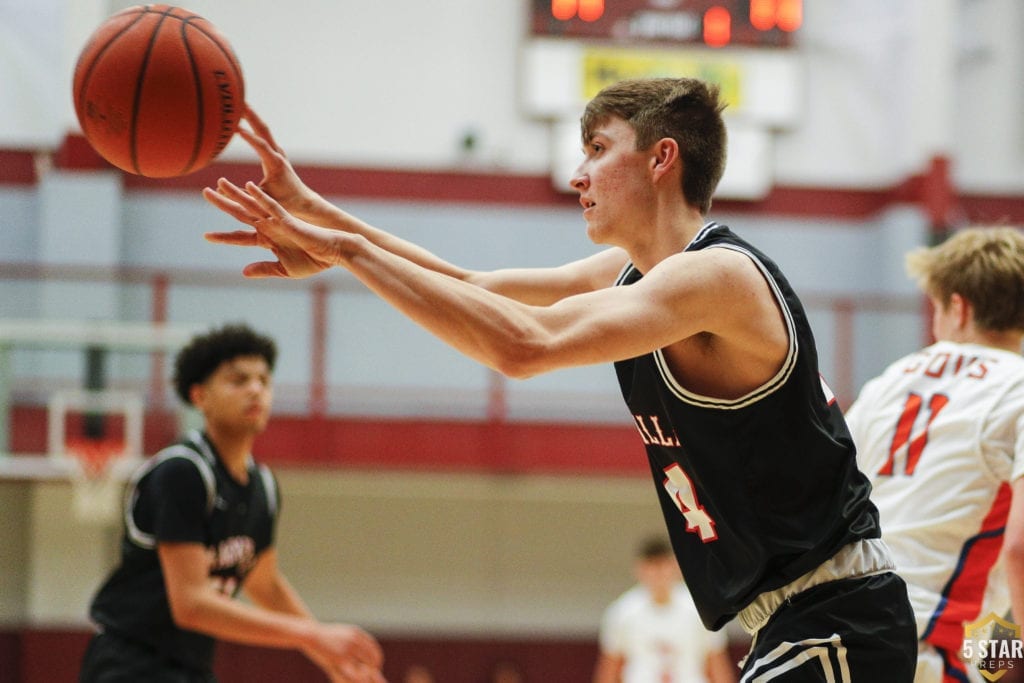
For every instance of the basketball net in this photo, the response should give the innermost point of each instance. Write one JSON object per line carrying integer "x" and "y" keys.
{"x": 95, "y": 491}
{"x": 97, "y": 465}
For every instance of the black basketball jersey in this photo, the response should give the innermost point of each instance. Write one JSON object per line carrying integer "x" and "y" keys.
{"x": 758, "y": 490}
{"x": 184, "y": 494}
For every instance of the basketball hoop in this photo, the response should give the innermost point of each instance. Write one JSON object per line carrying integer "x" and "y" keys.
{"x": 97, "y": 465}
{"x": 95, "y": 490}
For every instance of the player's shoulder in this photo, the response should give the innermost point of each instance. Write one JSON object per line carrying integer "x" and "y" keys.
{"x": 180, "y": 462}
{"x": 974, "y": 361}
{"x": 1012, "y": 361}
{"x": 630, "y": 602}
{"x": 268, "y": 482}
{"x": 681, "y": 595}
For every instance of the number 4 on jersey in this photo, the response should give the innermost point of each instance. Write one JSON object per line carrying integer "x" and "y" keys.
{"x": 680, "y": 490}
{"x": 904, "y": 432}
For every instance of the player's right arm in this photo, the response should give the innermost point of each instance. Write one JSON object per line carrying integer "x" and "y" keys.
{"x": 344, "y": 651}
{"x": 536, "y": 286}
{"x": 170, "y": 512}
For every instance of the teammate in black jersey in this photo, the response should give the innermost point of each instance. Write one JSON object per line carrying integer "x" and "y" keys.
{"x": 199, "y": 527}
{"x": 768, "y": 514}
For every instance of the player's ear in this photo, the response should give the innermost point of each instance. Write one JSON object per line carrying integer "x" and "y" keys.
{"x": 961, "y": 308}
{"x": 195, "y": 394}
{"x": 665, "y": 155}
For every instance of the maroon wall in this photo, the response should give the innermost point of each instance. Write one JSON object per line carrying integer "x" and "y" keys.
{"x": 51, "y": 655}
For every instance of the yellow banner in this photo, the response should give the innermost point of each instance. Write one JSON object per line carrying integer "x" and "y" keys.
{"x": 605, "y": 66}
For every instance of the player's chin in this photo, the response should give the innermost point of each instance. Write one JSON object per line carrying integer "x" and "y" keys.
{"x": 596, "y": 234}
{"x": 255, "y": 423}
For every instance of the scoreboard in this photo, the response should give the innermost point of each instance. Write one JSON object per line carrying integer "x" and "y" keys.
{"x": 574, "y": 48}
{"x": 712, "y": 23}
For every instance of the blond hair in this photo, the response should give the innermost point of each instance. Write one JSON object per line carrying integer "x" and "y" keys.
{"x": 985, "y": 265}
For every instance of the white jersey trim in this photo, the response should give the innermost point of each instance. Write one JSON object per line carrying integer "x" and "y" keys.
{"x": 137, "y": 536}
{"x": 760, "y": 392}
{"x": 769, "y": 387}
{"x": 202, "y": 463}
{"x": 270, "y": 488}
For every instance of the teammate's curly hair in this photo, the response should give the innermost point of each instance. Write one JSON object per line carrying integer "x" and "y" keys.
{"x": 201, "y": 357}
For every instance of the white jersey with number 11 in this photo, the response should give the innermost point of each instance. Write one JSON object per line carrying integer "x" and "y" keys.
{"x": 941, "y": 434}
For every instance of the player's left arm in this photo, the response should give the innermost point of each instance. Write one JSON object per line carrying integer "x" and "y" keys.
{"x": 717, "y": 291}
{"x": 1014, "y": 549}
{"x": 267, "y": 587}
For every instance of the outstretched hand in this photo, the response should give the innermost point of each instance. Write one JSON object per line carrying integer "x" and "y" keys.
{"x": 280, "y": 180}
{"x": 301, "y": 249}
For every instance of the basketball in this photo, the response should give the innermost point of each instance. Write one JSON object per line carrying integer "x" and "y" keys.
{"x": 158, "y": 91}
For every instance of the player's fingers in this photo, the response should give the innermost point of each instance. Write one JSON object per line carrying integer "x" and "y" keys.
{"x": 260, "y": 128}
{"x": 264, "y": 200}
{"x": 262, "y": 147}
{"x": 231, "y": 204}
{"x": 262, "y": 269}
{"x": 363, "y": 648}
{"x": 228, "y": 189}
{"x": 239, "y": 238}
{"x": 360, "y": 673}
{"x": 245, "y": 200}
{"x": 337, "y": 676}
{"x": 369, "y": 650}
{"x": 225, "y": 194}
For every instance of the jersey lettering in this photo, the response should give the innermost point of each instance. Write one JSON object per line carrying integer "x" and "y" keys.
{"x": 230, "y": 562}
{"x": 680, "y": 490}
{"x": 947, "y": 364}
{"x": 904, "y": 432}
{"x": 237, "y": 551}
{"x": 654, "y": 434}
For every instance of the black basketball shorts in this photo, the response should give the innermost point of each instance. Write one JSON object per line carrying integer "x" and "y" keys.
{"x": 858, "y": 630}
{"x": 113, "y": 659}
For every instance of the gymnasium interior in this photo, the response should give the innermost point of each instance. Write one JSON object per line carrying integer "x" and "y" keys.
{"x": 463, "y": 518}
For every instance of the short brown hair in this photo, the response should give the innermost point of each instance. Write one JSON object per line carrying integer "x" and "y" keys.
{"x": 685, "y": 109}
{"x": 985, "y": 265}
{"x": 654, "y": 548}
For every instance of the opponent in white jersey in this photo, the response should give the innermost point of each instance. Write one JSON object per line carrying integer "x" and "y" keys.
{"x": 941, "y": 435}
{"x": 652, "y": 633}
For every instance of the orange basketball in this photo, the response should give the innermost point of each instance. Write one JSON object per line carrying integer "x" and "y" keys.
{"x": 158, "y": 91}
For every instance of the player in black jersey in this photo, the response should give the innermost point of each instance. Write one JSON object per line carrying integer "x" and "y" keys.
{"x": 199, "y": 527}
{"x": 769, "y": 516}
